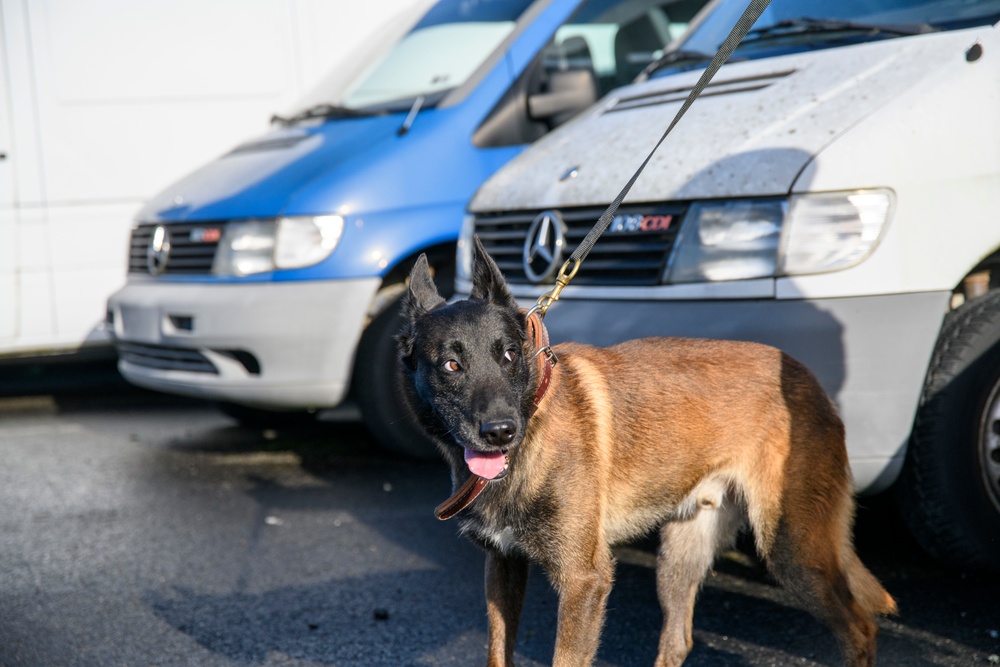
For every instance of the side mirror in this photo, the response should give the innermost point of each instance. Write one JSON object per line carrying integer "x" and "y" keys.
{"x": 569, "y": 92}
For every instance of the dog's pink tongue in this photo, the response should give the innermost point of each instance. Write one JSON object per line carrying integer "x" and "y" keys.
{"x": 486, "y": 466}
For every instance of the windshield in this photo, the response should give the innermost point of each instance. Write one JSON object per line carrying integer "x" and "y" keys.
{"x": 439, "y": 53}
{"x": 788, "y": 26}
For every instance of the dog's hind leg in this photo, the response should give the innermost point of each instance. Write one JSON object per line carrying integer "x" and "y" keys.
{"x": 688, "y": 548}
{"x": 812, "y": 556}
{"x": 820, "y": 583}
{"x": 806, "y": 540}
{"x": 506, "y": 582}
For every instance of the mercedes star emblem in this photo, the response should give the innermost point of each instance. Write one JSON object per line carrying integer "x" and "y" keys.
{"x": 543, "y": 247}
{"x": 158, "y": 251}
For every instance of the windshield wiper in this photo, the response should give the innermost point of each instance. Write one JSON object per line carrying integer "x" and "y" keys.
{"x": 806, "y": 25}
{"x": 674, "y": 57}
{"x": 325, "y": 110}
{"x": 410, "y": 117}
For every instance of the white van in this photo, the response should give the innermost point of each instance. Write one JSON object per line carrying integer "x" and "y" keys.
{"x": 836, "y": 193}
{"x": 101, "y": 102}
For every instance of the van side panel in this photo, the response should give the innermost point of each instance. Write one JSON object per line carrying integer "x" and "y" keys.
{"x": 870, "y": 353}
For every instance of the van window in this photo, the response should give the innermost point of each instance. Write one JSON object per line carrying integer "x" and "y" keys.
{"x": 448, "y": 44}
{"x": 617, "y": 40}
{"x": 604, "y": 45}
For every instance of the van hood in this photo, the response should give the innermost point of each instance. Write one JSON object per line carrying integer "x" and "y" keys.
{"x": 751, "y": 132}
{"x": 242, "y": 183}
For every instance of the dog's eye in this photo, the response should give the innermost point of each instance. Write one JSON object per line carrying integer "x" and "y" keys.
{"x": 451, "y": 366}
{"x": 509, "y": 356}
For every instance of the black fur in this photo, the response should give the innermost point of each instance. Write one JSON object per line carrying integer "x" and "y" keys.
{"x": 467, "y": 365}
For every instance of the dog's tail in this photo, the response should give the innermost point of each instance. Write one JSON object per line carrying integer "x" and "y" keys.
{"x": 865, "y": 587}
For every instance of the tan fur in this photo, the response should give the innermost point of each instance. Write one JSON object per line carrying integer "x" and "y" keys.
{"x": 696, "y": 438}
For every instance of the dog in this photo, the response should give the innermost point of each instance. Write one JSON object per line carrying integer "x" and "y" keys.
{"x": 696, "y": 438}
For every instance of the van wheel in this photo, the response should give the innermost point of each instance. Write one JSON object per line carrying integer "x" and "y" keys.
{"x": 377, "y": 382}
{"x": 949, "y": 490}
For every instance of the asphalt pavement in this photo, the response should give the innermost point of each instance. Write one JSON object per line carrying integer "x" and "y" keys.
{"x": 137, "y": 530}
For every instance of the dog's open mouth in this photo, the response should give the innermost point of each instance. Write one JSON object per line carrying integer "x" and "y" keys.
{"x": 488, "y": 466}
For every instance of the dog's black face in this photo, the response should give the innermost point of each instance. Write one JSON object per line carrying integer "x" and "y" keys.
{"x": 466, "y": 366}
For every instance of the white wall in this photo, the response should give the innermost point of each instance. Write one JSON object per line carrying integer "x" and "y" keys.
{"x": 105, "y": 102}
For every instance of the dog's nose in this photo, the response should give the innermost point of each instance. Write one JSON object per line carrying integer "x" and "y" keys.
{"x": 498, "y": 433}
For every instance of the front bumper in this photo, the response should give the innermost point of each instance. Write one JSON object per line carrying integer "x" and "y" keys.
{"x": 870, "y": 353}
{"x": 286, "y": 345}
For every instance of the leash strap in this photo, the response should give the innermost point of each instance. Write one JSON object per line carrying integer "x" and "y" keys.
{"x": 750, "y": 16}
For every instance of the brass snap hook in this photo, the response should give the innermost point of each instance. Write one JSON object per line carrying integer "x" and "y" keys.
{"x": 566, "y": 273}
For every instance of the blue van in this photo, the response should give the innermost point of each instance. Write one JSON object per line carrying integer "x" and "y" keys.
{"x": 268, "y": 280}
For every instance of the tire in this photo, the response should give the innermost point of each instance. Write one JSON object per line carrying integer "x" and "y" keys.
{"x": 261, "y": 418}
{"x": 377, "y": 382}
{"x": 949, "y": 490}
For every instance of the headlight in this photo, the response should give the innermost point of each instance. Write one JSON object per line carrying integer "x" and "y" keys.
{"x": 815, "y": 233}
{"x": 833, "y": 231}
{"x": 306, "y": 241}
{"x": 246, "y": 247}
{"x": 733, "y": 240}
{"x": 257, "y": 246}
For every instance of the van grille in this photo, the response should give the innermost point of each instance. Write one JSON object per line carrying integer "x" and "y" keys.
{"x": 634, "y": 250}
{"x": 192, "y": 248}
{"x": 163, "y": 357}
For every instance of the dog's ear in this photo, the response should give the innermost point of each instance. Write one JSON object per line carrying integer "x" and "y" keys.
{"x": 422, "y": 295}
{"x": 488, "y": 283}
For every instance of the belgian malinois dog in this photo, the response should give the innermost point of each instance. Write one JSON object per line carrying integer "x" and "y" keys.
{"x": 695, "y": 438}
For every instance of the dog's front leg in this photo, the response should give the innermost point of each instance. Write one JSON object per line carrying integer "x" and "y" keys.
{"x": 506, "y": 581}
{"x": 583, "y": 596}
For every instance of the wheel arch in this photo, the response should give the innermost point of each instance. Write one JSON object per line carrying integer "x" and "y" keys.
{"x": 375, "y": 364}
{"x": 982, "y": 278}
{"x": 942, "y": 492}
{"x": 438, "y": 255}
{"x": 441, "y": 257}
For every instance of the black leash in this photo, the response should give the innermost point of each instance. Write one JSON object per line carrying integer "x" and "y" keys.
{"x": 572, "y": 265}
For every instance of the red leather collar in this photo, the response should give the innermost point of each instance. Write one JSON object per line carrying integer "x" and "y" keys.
{"x": 544, "y": 355}
{"x": 462, "y": 498}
